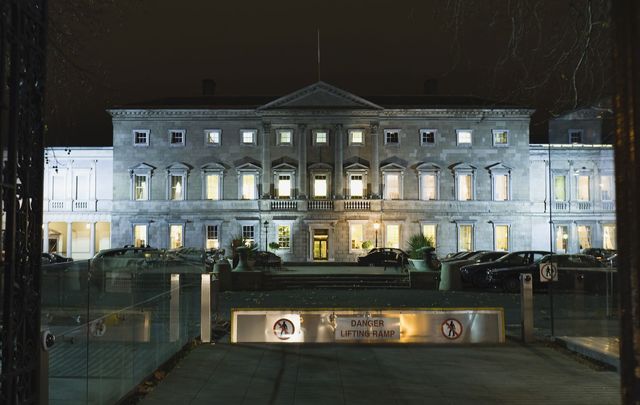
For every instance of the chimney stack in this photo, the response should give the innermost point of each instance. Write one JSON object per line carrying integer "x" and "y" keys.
{"x": 430, "y": 86}
{"x": 208, "y": 87}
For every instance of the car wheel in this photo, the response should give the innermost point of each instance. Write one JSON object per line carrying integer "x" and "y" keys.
{"x": 511, "y": 285}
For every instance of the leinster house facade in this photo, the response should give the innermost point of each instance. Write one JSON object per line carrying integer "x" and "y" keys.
{"x": 321, "y": 171}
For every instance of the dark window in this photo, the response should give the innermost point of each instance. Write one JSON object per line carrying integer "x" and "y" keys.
{"x": 575, "y": 136}
{"x": 391, "y": 137}
{"x": 428, "y": 137}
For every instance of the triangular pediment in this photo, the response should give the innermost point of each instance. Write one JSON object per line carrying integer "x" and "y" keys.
{"x": 462, "y": 166}
{"x": 427, "y": 167}
{"x": 248, "y": 167}
{"x": 179, "y": 166}
{"x": 213, "y": 167}
{"x": 499, "y": 167}
{"x": 320, "y": 95}
{"x": 284, "y": 167}
{"x": 320, "y": 166}
{"x": 354, "y": 167}
{"x": 141, "y": 167}
{"x": 392, "y": 167}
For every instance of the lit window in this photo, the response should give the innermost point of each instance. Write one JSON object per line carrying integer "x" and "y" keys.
{"x": 213, "y": 242}
{"x": 213, "y": 186}
{"x": 284, "y": 236}
{"x": 356, "y": 186}
{"x": 392, "y": 136}
{"x": 392, "y": 239}
{"x": 175, "y": 236}
{"x": 465, "y": 238}
{"x": 427, "y": 137}
{"x": 356, "y": 235}
{"x": 140, "y": 235}
{"x": 248, "y": 234}
{"x": 607, "y": 188}
{"x": 562, "y": 239}
{"x": 141, "y": 137}
{"x": 501, "y": 238}
{"x": 609, "y": 236}
{"x": 463, "y": 137}
{"x": 583, "y": 193}
{"x": 248, "y": 137}
{"x": 501, "y": 187}
{"x": 176, "y": 137}
{"x": 356, "y": 137}
{"x": 429, "y": 232}
{"x": 575, "y": 136}
{"x": 248, "y": 187}
{"x": 321, "y": 138}
{"x": 559, "y": 188}
{"x": 392, "y": 186}
{"x": 140, "y": 191}
{"x": 320, "y": 186}
{"x": 428, "y": 186}
{"x": 500, "y": 137}
{"x": 284, "y": 137}
{"x": 212, "y": 137}
{"x": 176, "y": 192}
{"x": 284, "y": 186}
{"x": 464, "y": 187}
{"x": 584, "y": 236}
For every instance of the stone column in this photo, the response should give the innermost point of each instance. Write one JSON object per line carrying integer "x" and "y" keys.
{"x": 45, "y": 236}
{"x": 266, "y": 160}
{"x": 302, "y": 162}
{"x": 69, "y": 238}
{"x": 338, "y": 175}
{"x": 375, "y": 161}
{"x": 92, "y": 238}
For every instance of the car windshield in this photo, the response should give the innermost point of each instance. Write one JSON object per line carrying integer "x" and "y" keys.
{"x": 512, "y": 258}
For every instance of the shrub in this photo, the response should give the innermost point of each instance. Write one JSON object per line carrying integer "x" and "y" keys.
{"x": 274, "y": 246}
{"x": 366, "y": 245}
{"x": 417, "y": 244}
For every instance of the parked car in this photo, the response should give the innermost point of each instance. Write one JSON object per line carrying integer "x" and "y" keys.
{"x": 266, "y": 259}
{"x": 127, "y": 258}
{"x": 461, "y": 255}
{"x": 508, "y": 279}
{"x": 599, "y": 253}
{"x": 50, "y": 258}
{"x": 475, "y": 273}
{"x": 384, "y": 257}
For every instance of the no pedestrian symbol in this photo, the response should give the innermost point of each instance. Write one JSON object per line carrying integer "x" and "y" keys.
{"x": 548, "y": 272}
{"x": 283, "y": 329}
{"x": 451, "y": 328}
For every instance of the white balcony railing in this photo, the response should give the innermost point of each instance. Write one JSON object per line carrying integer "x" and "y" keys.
{"x": 357, "y": 205}
{"x": 320, "y": 205}
{"x": 284, "y": 205}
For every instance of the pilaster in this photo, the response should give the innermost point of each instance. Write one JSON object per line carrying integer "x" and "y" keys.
{"x": 338, "y": 174}
{"x": 302, "y": 162}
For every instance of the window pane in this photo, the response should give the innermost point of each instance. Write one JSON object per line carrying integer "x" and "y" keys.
{"x": 357, "y": 235}
{"x": 58, "y": 187}
{"x": 502, "y": 238}
{"x": 428, "y": 187}
{"x": 464, "y": 187}
{"x": 140, "y": 235}
{"x": 559, "y": 188}
{"x": 247, "y": 137}
{"x": 500, "y": 137}
{"x": 213, "y": 187}
{"x": 284, "y": 186}
{"x": 562, "y": 239}
{"x": 583, "y": 188}
{"x": 357, "y": 136}
{"x": 429, "y": 232}
{"x": 356, "y": 186}
{"x": 393, "y": 236}
{"x": 321, "y": 137}
{"x": 284, "y": 236}
{"x": 213, "y": 137}
{"x": 427, "y": 137}
{"x": 175, "y": 236}
{"x": 176, "y": 188}
{"x": 464, "y": 137}
{"x": 320, "y": 186}
{"x": 393, "y": 186}
{"x": 609, "y": 236}
{"x": 607, "y": 187}
{"x": 212, "y": 237}
{"x": 391, "y": 137}
{"x": 501, "y": 187}
{"x": 248, "y": 186}
{"x": 140, "y": 185}
{"x": 584, "y": 236}
{"x": 465, "y": 238}
{"x": 247, "y": 234}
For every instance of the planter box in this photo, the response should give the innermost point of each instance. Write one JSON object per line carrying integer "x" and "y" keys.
{"x": 424, "y": 280}
{"x": 418, "y": 264}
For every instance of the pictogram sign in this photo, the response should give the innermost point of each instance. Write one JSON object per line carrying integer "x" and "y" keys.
{"x": 283, "y": 329}
{"x": 548, "y": 272}
{"x": 451, "y": 328}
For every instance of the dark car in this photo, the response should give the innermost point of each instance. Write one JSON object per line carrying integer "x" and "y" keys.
{"x": 461, "y": 255}
{"x": 50, "y": 258}
{"x": 266, "y": 259}
{"x": 475, "y": 273}
{"x": 599, "y": 253}
{"x": 384, "y": 257}
{"x": 508, "y": 279}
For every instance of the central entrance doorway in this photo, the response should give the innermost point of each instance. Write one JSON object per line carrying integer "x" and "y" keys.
{"x": 321, "y": 244}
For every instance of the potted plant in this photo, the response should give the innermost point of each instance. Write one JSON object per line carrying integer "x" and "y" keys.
{"x": 417, "y": 246}
{"x": 274, "y": 246}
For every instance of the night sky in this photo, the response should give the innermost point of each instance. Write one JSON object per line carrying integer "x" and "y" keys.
{"x": 105, "y": 55}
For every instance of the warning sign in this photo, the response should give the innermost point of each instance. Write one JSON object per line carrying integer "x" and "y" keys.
{"x": 283, "y": 329}
{"x": 451, "y": 328}
{"x": 548, "y": 272}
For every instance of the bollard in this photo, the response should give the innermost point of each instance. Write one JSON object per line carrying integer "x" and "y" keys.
{"x": 526, "y": 307}
{"x": 205, "y": 308}
{"x": 174, "y": 309}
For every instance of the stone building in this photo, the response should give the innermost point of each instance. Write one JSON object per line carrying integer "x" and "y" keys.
{"x": 320, "y": 171}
